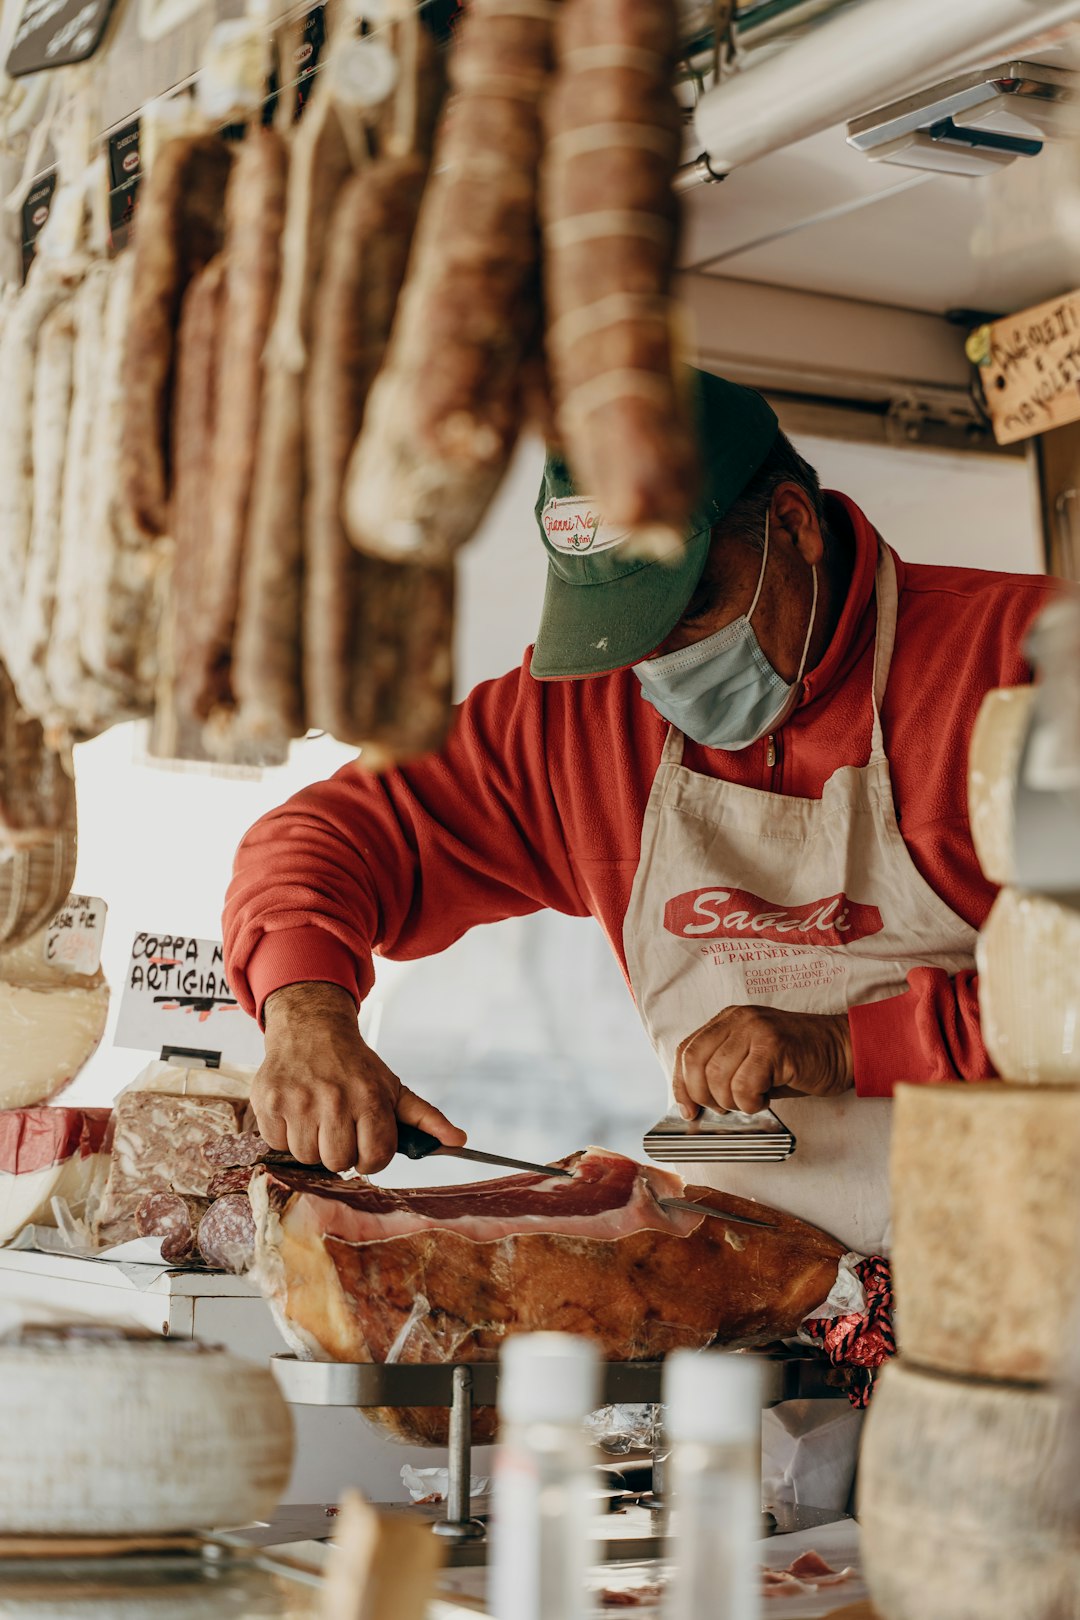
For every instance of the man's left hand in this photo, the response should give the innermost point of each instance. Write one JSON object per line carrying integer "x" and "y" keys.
{"x": 740, "y": 1058}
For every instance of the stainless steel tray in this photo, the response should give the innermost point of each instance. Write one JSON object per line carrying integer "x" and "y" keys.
{"x": 788, "y": 1376}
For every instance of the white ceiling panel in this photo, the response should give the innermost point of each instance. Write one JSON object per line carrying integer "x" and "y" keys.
{"x": 822, "y": 218}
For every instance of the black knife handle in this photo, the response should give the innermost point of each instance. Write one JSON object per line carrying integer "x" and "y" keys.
{"x": 415, "y": 1144}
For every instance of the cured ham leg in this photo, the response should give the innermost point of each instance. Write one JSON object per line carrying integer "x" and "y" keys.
{"x": 358, "y": 1272}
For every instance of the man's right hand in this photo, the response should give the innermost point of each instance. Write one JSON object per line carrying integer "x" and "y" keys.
{"x": 323, "y": 1095}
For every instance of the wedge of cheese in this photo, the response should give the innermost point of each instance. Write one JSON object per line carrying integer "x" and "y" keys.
{"x": 51, "y": 1023}
{"x": 110, "y": 1434}
{"x": 986, "y": 1226}
{"x": 1028, "y": 956}
{"x": 960, "y": 1502}
{"x": 992, "y": 766}
{"x": 48, "y": 1153}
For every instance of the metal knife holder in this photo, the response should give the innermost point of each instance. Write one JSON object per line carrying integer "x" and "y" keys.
{"x": 788, "y": 1376}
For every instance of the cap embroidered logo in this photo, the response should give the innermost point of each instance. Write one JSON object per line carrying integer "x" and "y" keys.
{"x": 572, "y": 524}
{"x": 735, "y": 913}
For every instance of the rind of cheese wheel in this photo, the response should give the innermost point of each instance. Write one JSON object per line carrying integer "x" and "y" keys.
{"x": 48, "y": 1153}
{"x": 986, "y": 1227}
{"x": 992, "y": 766}
{"x": 137, "y": 1438}
{"x": 1028, "y": 956}
{"x": 51, "y": 1023}
{"x": 960, "y": 1515}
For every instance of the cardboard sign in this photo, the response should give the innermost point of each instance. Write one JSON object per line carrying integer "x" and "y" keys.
{"x": 55, "y": 33}
{"x": 73, "y": 938}
{"x": 176, "y": 994}
{"x": 1029, "y": 365}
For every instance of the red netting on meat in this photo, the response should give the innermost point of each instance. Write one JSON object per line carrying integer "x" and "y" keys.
{"x": 862, "y": 1340}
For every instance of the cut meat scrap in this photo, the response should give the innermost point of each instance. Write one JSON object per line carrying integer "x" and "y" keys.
{"x": 364, "y": 1273}
{"x": 47, "y": 1153}
{"x": 158, "y": 1143}
{"x": 447, "y": 406}
{"x": 53, "y": 373}
{"x": 37, "y": 822}
{"x": 804, "y": 1577}
{"x": 378, "y": 662}
{"x": 178, "y": 231}
{"x": 172, "y": 1218}
{"x": 254, "y": 217}
{"x": 177, "y": 731}
{"x": 51, "y": 1023}
{"x": 227, "y": 1233}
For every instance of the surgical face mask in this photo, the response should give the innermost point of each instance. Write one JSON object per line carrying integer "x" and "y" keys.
{"x": 722, "y": 691}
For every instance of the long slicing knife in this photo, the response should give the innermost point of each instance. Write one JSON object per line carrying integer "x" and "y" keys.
{"x": 415, "y": 1144}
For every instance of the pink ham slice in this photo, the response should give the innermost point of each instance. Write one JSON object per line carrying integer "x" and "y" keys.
{"x": 364, "y": 1273}
{"x": 608, "y": 1197}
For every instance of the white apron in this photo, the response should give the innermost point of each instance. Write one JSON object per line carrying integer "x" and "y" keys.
{"x": 745, "y": 897}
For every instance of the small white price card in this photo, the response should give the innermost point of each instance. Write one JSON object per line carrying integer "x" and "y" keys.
{"x": 176, "y": 995}
{"x": 73, "y": 938}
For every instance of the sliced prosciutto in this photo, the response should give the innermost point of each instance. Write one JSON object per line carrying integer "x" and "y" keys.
{"x": 358, "y": 1272}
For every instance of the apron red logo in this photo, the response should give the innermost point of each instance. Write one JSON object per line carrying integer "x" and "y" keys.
{"x": 734, "y": 913}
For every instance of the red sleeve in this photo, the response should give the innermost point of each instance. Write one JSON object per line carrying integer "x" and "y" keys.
{"x": 403, "y": 864}
{"x": 930, "y": 1032}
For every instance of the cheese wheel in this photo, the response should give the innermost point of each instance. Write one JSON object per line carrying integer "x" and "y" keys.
{"x": 51, "y": 1023}
{"x": 986, "y": 1226}
{"x": 992, "y": 766}
{"x": 1028, "y": 956}
{"x": 114, "y": 1435}
{"x": 959, "y": 1503}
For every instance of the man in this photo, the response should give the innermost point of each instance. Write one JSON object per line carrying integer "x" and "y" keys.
{"x": 749, "y": 764}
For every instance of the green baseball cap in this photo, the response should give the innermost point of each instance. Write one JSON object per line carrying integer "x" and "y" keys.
{"x": 604, "y": 609}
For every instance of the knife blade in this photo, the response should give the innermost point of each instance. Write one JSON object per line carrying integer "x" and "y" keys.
{"x": 707, "y": 1209}
{"x": 416, "y": 1144}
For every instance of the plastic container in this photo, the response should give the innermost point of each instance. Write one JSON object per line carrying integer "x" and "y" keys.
{"x": 543, "y": 1486}
{"x": 713, "y": 1401}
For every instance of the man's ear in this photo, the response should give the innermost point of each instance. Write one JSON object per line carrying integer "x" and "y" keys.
{"x": 793, "y": 519}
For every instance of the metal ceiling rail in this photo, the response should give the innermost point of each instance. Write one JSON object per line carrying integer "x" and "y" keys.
{"x": 864, "y": 56}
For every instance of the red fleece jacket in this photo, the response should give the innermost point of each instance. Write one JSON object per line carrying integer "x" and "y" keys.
{"x": 538, "y": 797}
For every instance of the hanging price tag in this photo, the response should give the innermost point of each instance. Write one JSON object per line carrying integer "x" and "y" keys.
{"x": 73, "y": 938}
{"x": 56, "y": 33}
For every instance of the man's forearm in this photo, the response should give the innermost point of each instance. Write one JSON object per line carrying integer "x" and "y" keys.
{"x": 316, "y": 1003}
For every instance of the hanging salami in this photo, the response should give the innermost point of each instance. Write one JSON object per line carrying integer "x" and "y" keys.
{"x": 178, "y": 230}
{"x": 613, "y": 143}
{"x": 446, "y": 410}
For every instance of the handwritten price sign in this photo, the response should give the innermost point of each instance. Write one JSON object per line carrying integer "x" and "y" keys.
{"x": 176, "y": 994}
{"x": 73, "y": 938}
